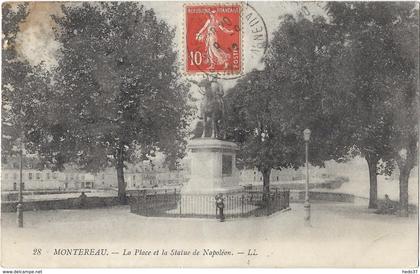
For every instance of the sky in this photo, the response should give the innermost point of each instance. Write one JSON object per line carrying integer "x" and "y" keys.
{"x": 36, "y": 41}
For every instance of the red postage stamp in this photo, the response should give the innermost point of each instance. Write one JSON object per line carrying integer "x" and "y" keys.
{"x": 213, "y": 38}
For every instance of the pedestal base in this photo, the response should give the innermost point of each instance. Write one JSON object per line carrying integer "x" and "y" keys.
{"x": 213, "y": 171}
{"x": 213, "y": 168}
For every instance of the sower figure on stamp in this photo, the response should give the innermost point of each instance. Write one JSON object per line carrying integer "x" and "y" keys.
{"x": 215, "y": 54}
{"x": 212, "y": 107}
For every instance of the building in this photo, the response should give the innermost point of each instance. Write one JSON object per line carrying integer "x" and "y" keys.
{"x": 147, "y": 174}
{"x": 36, "y": 179}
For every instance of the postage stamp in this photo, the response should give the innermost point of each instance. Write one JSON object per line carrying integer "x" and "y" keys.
{"x": 213, "y": 36}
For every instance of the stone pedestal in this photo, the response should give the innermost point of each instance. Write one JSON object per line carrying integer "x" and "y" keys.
{"x": 213, "y": 168}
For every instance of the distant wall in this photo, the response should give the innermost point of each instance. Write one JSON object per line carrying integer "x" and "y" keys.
{"x": 70, "y": 203}
{"x": 299, "y": 196}
{"x": 14, "y": 196}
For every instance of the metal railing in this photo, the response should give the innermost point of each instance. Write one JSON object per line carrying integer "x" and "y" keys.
{"x": 236, "y": 205}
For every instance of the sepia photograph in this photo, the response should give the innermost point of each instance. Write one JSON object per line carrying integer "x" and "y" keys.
{"x": 210, "y": 134}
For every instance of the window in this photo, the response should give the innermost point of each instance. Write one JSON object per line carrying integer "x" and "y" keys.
{"x": 134, "y": 177}
{"x": 15, "y": 165}
{"x": 14, "y": 186}
{"x": 30, "y": 175}
{"x": 277, "y": 178}
{"x": 54, "y": 176}
{"x": 48, "y": 176}
{"x": 38, "y": 176}
{"x": 103, "y": 182}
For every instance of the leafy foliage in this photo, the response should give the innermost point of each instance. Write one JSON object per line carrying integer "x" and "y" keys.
{"x": 352, "y": 80}
{"x": 381, "y": 43}
{"x": 269, "y": 109}
{"x": 24, "y": 88}
{"x": 118, "y": 87}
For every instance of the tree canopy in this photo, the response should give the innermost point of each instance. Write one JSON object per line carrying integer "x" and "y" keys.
{"x": 24, "y": 88}
{"x": 381, "y": 46}
{"x": 120, "y": 94}
{"x": 269, "y": 109}
{"x": 351, "y": 79}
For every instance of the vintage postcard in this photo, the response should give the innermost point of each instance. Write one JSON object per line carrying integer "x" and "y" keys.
{"x": 210, "y": 134}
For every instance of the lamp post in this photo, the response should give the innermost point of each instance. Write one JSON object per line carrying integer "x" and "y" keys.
{"x": 19, "y": 208}
{"x": 307, "y": 205}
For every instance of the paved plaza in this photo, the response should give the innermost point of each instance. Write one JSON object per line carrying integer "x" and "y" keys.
{"x": 342, "y": 234}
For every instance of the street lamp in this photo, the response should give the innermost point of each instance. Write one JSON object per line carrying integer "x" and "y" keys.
{"x": 19, "y": 208}
{"x": 307, "y": 205}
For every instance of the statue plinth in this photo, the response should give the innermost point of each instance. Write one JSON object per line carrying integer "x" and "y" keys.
{"x": 213, "y": 168}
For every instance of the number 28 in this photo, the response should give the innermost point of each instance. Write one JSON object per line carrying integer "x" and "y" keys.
{"x": 37, "y": 251}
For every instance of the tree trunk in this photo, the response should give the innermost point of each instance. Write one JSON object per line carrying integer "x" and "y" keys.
{"x": 266, "y": 184}
{"x": 404, "y": 175}
{"x": 373, "y": 181}
{"x": 122, "y": 196}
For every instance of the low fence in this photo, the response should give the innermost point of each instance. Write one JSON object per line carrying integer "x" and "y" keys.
{"x": 235, "y": 205}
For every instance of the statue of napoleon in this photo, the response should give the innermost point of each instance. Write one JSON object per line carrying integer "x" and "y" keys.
{"x": 212, "y": 109}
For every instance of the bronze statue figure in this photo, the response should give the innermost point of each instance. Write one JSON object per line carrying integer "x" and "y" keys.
{"x": 212, "y": 108}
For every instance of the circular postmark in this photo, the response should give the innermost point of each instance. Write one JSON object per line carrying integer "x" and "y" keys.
{"x": 223, "y": 41}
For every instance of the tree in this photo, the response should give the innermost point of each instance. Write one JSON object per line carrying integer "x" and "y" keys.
{"x": 13, "y": 73}
{"x": 372, "y": 35}
{"x": 254, "y": 122}
{"x": 404, "y": 103}
{"x": 24, "y": 88}
{"x": 269, "y": 109}
{"x": 119, "y": 88}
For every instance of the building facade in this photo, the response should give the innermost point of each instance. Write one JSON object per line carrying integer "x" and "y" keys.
{"x": 142, "y": 175}
{"x": 35, "y": 179}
